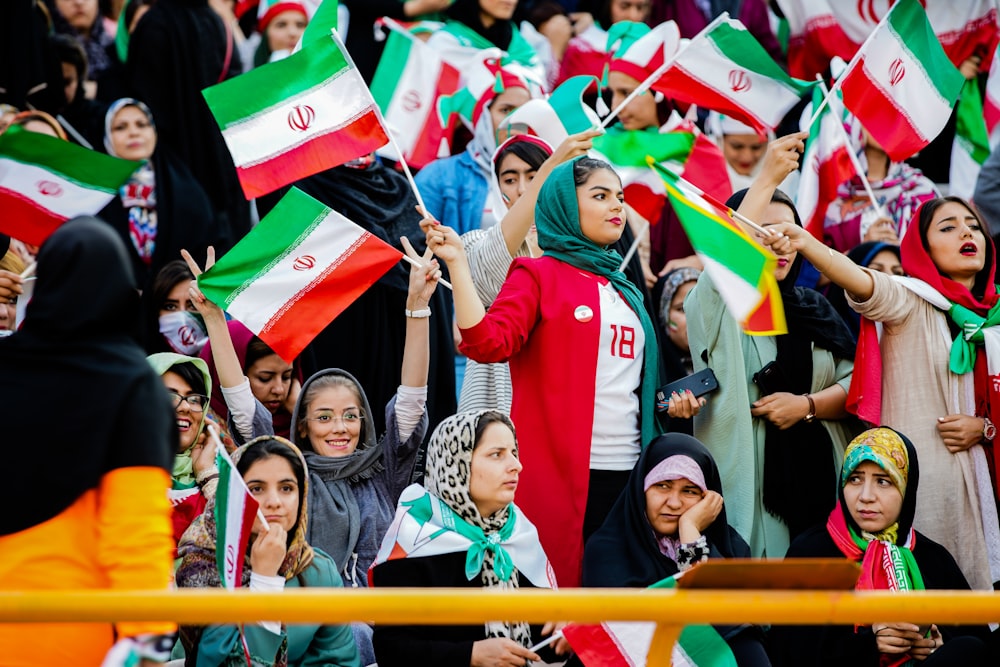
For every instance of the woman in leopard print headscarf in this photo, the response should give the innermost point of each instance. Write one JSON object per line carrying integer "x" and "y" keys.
{"x": 478, "y": 538}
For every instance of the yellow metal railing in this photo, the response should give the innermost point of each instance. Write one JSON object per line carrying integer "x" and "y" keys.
{"x": 671, "y": 609}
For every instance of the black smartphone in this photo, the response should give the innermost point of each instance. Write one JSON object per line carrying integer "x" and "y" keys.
{"x": 700, "y": 383}
{"x": 771, "y": 379}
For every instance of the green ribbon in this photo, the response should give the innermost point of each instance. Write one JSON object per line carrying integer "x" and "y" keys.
{"x": 503, "y": 565}
{"x": 963, "y": 349}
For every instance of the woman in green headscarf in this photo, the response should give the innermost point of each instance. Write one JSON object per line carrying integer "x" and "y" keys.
{"x": 582, "y": 353}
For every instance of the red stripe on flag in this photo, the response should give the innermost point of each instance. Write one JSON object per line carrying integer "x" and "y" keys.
{"x": 881, "y": 115}
{"x": 361, "y": 137}
{"x": 594, "y": 645}
{"x": 250, "y": 506}
{"x": 681, "y": 85}
{"x": 809, "y": 54}
{"x": 327, "y": 296}
{"x": 429, "y": 143}
{"x": 832, "y": 172}
{"x": 763, "y": 320}
{"x": 25, "y": 220}
{"x": 646, "y": 203}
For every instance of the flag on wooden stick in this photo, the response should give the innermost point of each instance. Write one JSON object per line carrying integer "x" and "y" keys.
{"x": 296, "y": 271}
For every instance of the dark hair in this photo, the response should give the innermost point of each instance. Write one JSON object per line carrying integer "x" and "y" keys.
{"x": 266, "y": 447}
{"x": 585, "y": 166}
{"x": 166, "y": 279}
{"x": 528, "y": 151}
{"x": 256, "y": 350}
{"x": 69, "y": 50}
{"x": 132, "y": 7}
{"x": 543, "y": 11}
{"x": 927, "y": 211}
{"x": 309, "y": 395}
{"x": 492, "y": 417}
{"x": 188, "y": 372}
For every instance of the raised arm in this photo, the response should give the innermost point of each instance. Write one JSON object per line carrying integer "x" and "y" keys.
{"x": 781, "y": 159}
{"x": 416, "y": 348}
{"x": 519, "y": 218}
{"x": 447, "y": 246}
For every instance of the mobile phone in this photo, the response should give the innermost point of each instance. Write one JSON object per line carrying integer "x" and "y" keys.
{"x": 700, "y": 383}
{"x": 771, "y": 379}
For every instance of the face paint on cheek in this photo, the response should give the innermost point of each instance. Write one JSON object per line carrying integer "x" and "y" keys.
{"x": 672, "y": 325}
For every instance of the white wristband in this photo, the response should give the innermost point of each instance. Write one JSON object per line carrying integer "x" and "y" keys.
{"x": 418, "y": 314}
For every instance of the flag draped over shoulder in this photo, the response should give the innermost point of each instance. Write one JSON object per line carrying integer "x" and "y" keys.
{"x": 296, "y": 117}
{"x": 725, "y": 68}
{"x": 410, "y": 79}
{"x": 901, "y": 85}
{"x": 627, "y": 644}
{"x": 296, "y": 271}
{"x": 825, "y": 165}
{"x": 235, "y": 510}
{"x": 742, "y": 270}
{"x": 45, "y": 181}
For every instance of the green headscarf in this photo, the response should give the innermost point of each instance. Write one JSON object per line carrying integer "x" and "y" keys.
{"x": 183, "y": 472}
{"x": 557, "y": 218}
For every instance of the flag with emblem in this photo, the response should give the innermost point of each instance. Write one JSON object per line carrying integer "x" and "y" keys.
{"x": 627, "y": 644}
{"x": 742, "y": 269}
{"x": 296, "y": 271}
{"x": 296, "y": 117}
{"x": 235, "y": 511}
{"x": 725, "y": 68}
{"x": 900, "y": 84}
{"x": 410, "y": 79}
{"x": 825, "y": 165}
{"x": 45, "y": 181}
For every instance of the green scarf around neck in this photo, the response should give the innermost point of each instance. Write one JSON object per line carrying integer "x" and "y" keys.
{"x": 963, "y": 348}
{"x": 183, "y": 471}
{"x": 557, "y": 217}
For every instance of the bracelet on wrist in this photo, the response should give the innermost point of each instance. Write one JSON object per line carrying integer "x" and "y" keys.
{"x": 811, "y": 415}
{"x": 989, "y": 429}
{"x": 418, "y": 314}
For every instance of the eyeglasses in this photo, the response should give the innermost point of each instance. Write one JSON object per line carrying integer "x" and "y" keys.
{"x": 196, "y": 402}
{"x": 347, "y": 419}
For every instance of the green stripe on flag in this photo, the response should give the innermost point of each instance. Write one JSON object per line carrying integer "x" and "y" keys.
{"x": 970, "y": 126}
{"x": 629, "y": 148}
{"x": 714, "y": 237}
{"x": 322, "y": 22}
{"x": 82, "y": 166}
{"x": 743, "y": 48}
{"x": 290, "y": 221}
{"x": 703, "y": 644}
{"x": 390, "y": 69}
{"x": 911, "y": 29}
{"x": 271, "y": 85}
{"x": 221, "y": 512}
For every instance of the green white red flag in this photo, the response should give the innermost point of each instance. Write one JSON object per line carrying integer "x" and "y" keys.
{"x": 235, "y": 511}
{"x": 991, "y": 100}
{"x": 410, "y": 79}
{"x": 742, "y": 269}
{"x": 825, "y": 165}
{"x": 971, "y": 146}
{"x": 556, "y": 117}
{"x": 45, "y": 181}
{"x": 627, "y": 644}
{"x": 323, "y": 20}
{"x": 296, "y": 271}
{"x": 900, "y": 84}
{"x": 296, "y": 117}
{"x": 725, "y": 68}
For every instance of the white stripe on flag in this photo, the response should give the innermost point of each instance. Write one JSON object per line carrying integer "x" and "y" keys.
{"x": 332, "y": 104}
{"x": 66, "y": 200}
{"x": 740, "y": 296}
{"x": 915, "y": 94}
{"x": 330, "y": 242}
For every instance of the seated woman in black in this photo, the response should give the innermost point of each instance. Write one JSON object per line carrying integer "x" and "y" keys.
{"x": 872, "y": 524}
{"x": 669, "y": 517}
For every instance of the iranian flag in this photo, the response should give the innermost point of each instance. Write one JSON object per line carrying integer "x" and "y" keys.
{"x": 825, "y": 165}
{"x": 991, "y": 101}
{"x": 296, "y": 271}
{"x": 322, "y": 21}
{"x": 971, "y": 146}
{"x": 901, "y": 85}
{"x": 742, "y": 269}
{"x": 557, "y": 117}
{"x": 45, "y": 181}
{"x": 296, "y": 117}
{"x": 683, "y": 149}
{"x": 822, "y": 29}
{"x": 628, "y": 644}
{"x": 408, "y": 82}
{"x": 235, "y": 510}
{"x": 725, "y": 68}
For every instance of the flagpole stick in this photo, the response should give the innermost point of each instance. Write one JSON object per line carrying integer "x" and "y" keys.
{"x": 855, "y": 162}
{"x": 30, "y": 271}
{"x": 715, "y": 202}
{"x": 555, "y": 636}
{"x": 413, "y": 262}
{"x": 635, "y": 244}
{"x": 221, "y": 450}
